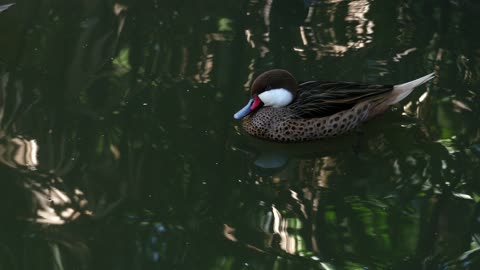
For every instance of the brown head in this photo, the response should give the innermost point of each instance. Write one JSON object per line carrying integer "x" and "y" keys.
{"x": 274, "y": 79}
{"x": 276, "y": 88}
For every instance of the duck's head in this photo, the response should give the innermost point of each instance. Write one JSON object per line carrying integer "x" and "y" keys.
{"x": 276, "y": 88}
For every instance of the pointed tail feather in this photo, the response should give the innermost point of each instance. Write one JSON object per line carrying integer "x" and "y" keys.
{"x": 401, "y": 91}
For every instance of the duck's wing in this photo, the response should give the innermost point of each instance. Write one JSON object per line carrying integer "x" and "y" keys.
{"x": 324, "y": 98}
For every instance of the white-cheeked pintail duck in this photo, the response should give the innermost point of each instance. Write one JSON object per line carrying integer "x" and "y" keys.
{"x": 283, "y": 110}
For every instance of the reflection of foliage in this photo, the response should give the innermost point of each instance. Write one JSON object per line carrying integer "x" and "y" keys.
{"x": 127, "y": 107}
{"x": 391, "y": 212}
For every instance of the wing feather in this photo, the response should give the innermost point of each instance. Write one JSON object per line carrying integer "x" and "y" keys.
{"x": 324, "y": 98}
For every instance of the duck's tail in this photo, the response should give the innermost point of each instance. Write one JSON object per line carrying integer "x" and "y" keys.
{"x": 401, "y": 91}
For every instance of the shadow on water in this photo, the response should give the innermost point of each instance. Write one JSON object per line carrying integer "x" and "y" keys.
{"x": 117, "y": 147}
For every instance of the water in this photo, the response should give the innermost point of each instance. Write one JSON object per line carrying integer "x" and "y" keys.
{"x": 118, "y": 149}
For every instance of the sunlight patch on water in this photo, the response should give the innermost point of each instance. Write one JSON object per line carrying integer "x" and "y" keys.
{"x": 20, "y": 152}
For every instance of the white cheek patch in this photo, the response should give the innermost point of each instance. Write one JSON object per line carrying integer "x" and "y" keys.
{"x": 276, "y": 98}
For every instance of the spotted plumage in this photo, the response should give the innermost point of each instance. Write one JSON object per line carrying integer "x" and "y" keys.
{"x": 314, "y": 109}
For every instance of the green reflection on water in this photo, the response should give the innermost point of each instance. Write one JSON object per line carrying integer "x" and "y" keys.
{"x": 118, "y": 148}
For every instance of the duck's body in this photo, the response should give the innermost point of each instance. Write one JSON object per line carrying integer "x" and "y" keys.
{"x": 282, "y": 110}
{"x": 279, "y": 124}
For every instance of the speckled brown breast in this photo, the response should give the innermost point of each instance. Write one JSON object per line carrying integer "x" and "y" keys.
{"x": 278, "y": 124}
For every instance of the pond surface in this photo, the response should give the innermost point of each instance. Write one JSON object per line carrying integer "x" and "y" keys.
{"x": 118, "y": 149}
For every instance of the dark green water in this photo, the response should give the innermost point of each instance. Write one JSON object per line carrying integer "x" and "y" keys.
{"x": 118, "y": 149}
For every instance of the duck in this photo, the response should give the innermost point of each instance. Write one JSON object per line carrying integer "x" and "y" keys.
{"x": 283, "y": 110}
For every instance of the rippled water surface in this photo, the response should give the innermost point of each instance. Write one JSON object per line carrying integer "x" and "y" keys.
{"x": 118, "y": 149}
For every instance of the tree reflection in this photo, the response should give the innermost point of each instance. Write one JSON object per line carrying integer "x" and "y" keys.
{"x": 117, "y": 148}
{"x": 339, "y": 206}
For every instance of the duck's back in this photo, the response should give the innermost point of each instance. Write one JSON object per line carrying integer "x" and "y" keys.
{"x": 324, "y": 98}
